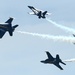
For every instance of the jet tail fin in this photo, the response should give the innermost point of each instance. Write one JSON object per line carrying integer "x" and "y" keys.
{"x": 39, "y": 15}
{"x": 44, "y": 13}
{"x": 57, "y": 57}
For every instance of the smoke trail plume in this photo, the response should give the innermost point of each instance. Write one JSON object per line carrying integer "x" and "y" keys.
{"x": 50, "y": 37}
{"x": 67, "y": 29}
{"x": 70, "y": 60}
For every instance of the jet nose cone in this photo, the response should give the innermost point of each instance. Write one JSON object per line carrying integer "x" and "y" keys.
{"x": 42, "y": 61}
{"x": 29, "y": 6}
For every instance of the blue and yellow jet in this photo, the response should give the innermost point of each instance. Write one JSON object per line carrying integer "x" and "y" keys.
{"x": 7, "y": 26}
{"x": 38, "y": 12}
{"x": 52, "y": 60}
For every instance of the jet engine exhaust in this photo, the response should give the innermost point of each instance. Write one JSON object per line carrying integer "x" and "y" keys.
{"x": 51, "y": 37}
{"x": 67, "y": 29}
{"x": 70, "y": 60}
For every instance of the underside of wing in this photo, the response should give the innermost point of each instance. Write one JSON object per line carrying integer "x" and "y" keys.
{"x": 2, "y": 32}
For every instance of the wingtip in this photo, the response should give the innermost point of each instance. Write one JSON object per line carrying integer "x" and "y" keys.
{"x": 46, "y": 51}
{"x": 62, "y": 69}
{"x": 11, "y": 17}
{"x": 29, "y": 6}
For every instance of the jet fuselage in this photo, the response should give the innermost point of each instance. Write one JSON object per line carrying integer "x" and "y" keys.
{"x": 37, "y": 12}
{"x": 6, "y": 27}
{"x": 49, "y": 61}
{"x": 52, "y": 60}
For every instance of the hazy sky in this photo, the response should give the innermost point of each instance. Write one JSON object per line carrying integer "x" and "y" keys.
{"x": 21, "y": 54}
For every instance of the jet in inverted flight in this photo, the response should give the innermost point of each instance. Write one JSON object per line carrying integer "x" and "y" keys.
{"x": 39, "y": 13}
{"x": 7, "y": 26}
{"x": 52, "y": 60}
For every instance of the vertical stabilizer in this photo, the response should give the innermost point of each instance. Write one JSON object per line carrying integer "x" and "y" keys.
{"x": 57, "y": 57}
{"x": 44, "y": 13}
{"x": 39, "y": 15}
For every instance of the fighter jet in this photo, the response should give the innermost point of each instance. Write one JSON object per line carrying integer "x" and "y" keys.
{"x": 39, "y": 13}
{"x": 52, "y": 60}
{"x": 7, "y": 26}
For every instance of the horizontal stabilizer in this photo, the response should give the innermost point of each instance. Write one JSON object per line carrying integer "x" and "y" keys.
{"x": 15, "y": 26}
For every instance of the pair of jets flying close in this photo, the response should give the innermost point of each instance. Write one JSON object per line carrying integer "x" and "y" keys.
{"x": 7, "y": 26}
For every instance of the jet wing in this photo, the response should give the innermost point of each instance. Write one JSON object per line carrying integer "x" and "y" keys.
{"x": 34, "y": 9}
{"x": 2, "y": 32}
{"x": 9, "y": 20}
{"x": 38, "y": 10}
{"x": 57, "y": 64}
{"x": 49, "y": 55}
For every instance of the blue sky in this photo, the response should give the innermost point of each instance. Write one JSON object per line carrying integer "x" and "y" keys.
{"x": 21, "y": 54}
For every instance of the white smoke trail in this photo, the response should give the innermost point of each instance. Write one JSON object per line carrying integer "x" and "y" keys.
{"x": 50, "y": 37}
{"x": 67, "y": 29}
{"x": 70, "y": 60}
